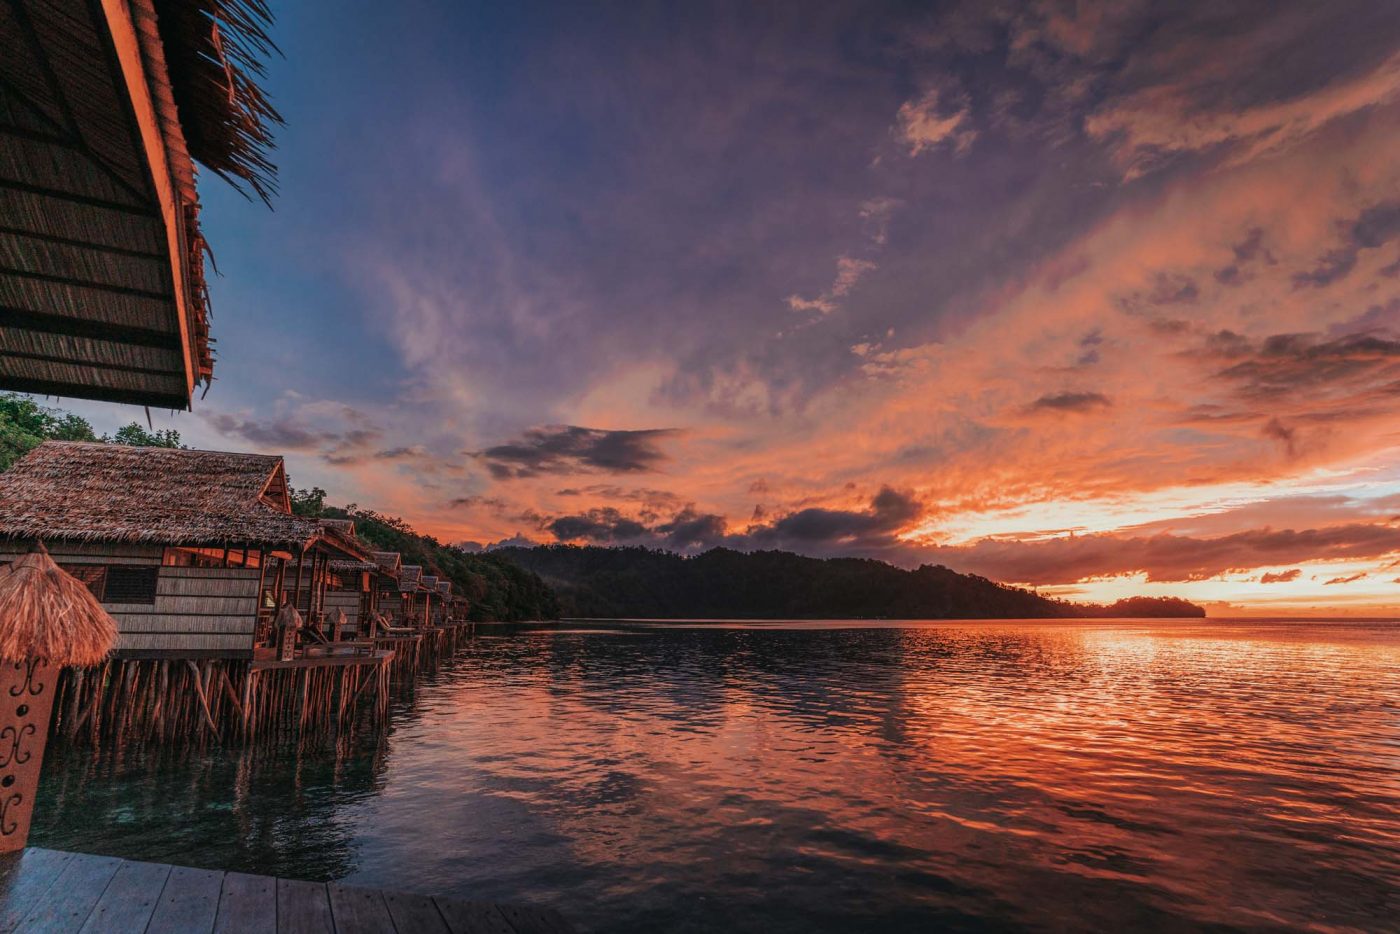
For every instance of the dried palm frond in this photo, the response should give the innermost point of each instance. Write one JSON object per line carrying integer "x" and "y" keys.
{"x": 47, "y": 613}
{"x": 214, "y": 52}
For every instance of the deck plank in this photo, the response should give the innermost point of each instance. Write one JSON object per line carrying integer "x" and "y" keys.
{"x": 50, "y": 891}
{"x": 469, "y": 917}
{"x": 359, "y": 911}
{"x": 529, "y": 920}
{"x": 189, "y": 903}
{"x": 130, "y": 899}
{"x": 75, "y": 891}
{"x": 414, "y": 913}
{"x": 24, "y": 878}
{"x": 246, "y": 903}
{"x": 303, "y": 908}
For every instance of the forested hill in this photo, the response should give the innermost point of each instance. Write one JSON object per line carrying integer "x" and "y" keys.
{"x": 623, "y": 583}
{"x": 499, "y": 590}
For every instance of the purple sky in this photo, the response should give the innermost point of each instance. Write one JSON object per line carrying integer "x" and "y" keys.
{"x": 1097, "y": 297}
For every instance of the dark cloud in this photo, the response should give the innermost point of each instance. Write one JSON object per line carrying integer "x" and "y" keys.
{"x": 1276, "y": 430}
{"x": 604, "y": 525}
{"x": 1282, "y": 577}
{"x": 279, "y": 433}
{"x": 563, "y": 449}
{"x": 353, "y": 443}
{"x": 1165, "y": 557}
{"x": 686, "y": 531}
{"x": 493, "y": 503}
{"x": 1374, "y": 227}
{"x": 1070, "y": 402}
{"x": 816, "y": 531}
{"x": 692, "y": 531}
{"x": 1284, "y": 364}
{"x": 890, "y": 511}
{"x": 1348, "y": 579}
{"x": 1245, "y": 252}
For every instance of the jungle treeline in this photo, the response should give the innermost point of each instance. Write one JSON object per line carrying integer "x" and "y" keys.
{"x": 631, "y": 583}
{"x": 498, "y": 589}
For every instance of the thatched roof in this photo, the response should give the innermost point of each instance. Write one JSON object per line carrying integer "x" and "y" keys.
{"x": 445, "y": 588}
{"x": 389, "y": 561}
{"x": 47, "y": 613}
{"x": 115, "y": 492}
{"x": 346, "y": 566}
{"x": 408, "y": 577}
{"x": 214, "y": 54}
{"x": 428, "y": 582}
{"x": 339, "y": 534}
{"x": 106, "y": 106}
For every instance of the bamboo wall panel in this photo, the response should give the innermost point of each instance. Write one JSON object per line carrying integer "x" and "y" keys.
{"x": 88, "y": 553}
{"x": 349, "y": 603}
{"x": 202, "y": 609}
{"x": 150, "y": 622}
{"x": 182, "y": 641}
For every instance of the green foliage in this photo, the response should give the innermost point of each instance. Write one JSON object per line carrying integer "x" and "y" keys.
{"x": 136, "y": 436}
{"x": 310, "y": 503}
{"x": 724, "y": 584}
{"x": 24, "y": 425}
{"x": 498, "y": 590}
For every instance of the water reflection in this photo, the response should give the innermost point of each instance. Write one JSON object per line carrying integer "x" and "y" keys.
{"x": 823, "y": 777}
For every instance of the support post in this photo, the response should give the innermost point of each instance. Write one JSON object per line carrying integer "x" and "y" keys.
{"x": 26, "y": 703}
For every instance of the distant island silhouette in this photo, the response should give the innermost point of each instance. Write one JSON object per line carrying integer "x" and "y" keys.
{"x": 636, "y": 582}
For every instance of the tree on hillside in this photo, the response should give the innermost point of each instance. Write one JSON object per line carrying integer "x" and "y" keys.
{"x": 497, "y": 589}
{"x": 25, "y": 424}
{"x": 310, "y": 503}
{"x": 136, "y": 436}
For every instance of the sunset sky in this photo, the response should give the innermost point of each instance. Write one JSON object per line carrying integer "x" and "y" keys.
{"x": 1101, "y": 298}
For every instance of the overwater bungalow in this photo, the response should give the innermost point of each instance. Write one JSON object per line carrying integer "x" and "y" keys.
{"x": 107, "y": 107}
{"x": 197, "y": 556}
{"x": 192, "y": 552}
{"x": 427, "y": 586}
{"x": 445, "y": 605}
{"x": 388, "y": 596}
{"x": 410, "y": 588}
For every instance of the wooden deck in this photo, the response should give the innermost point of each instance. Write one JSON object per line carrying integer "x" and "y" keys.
{"x": 370, "y": 657}
{"x": 52, "y": 891}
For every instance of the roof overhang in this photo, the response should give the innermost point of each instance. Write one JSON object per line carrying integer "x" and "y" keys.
{"x": 101, "y": 266}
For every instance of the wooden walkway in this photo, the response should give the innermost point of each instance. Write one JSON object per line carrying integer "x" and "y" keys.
{"x": 51, "y": 891}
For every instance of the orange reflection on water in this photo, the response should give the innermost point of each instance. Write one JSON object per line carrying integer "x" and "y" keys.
{"x": 1059, "y": 774}
{"x": 839, "y": 777}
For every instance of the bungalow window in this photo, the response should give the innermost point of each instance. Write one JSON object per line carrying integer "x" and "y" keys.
{"x": 94, "y": 575}
{"x": 132, "y": 584}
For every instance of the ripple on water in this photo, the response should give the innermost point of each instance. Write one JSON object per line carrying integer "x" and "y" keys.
{"x": 831, "y": 777}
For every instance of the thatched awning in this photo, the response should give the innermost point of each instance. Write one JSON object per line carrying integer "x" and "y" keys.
{"x": 389, "y": 561}
{"x": 105, "y": 106}
{"x": 353, "y": 566}
{"x": 118, "y": 493}
{"x": 47, "y": 613}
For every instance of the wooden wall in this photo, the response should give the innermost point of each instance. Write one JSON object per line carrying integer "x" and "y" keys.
{"x": 391, "y": 605}
{"x": 202, "y": 611}
{"x": 348, "y": 601}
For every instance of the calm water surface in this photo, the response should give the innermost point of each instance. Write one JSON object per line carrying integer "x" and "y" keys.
{"x": 831, "y": 777}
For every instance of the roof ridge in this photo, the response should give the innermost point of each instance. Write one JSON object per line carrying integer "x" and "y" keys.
{"x": 118, "y": 446}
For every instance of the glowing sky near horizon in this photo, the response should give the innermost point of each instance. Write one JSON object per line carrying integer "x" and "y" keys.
{"x": 1098, "y": 298}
